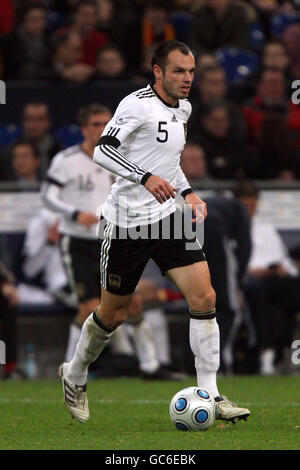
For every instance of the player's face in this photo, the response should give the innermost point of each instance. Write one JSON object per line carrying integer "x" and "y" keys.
{"x": 178, "y": 75}
{"x": 93, "y": 130}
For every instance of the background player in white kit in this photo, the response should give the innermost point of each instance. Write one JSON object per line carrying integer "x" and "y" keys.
{"x": 76, "y": 187}
{"x": 142, "y": 144}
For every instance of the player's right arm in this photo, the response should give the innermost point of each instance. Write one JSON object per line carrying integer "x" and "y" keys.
{"x": 128, "y": 118}
{"x": 57, "y": 177}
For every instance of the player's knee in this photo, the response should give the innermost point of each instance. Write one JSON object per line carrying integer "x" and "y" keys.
{"x": 203, "y": 301}
{"x": 119, "y": 316}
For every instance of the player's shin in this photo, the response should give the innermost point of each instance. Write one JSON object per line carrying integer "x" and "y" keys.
{"x": 74, "y": 335}
{"x": 94, "y": 337}
{"x": 205, "y": 345}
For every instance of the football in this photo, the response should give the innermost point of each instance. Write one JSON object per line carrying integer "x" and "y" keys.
{"x": 192, "y": 409}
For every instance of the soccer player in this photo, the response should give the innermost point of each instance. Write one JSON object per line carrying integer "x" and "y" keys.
{"x": 142, "y": 144}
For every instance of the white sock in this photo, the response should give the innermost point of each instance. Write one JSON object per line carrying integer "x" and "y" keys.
{"x": 92, "y": 341}
{"x": 157, "y": 319}
{"x": 205, "y": 344}
{"x": 74, "y": 335}
{"x": 143, "y": 340}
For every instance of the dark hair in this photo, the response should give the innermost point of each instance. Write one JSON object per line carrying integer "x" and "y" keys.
{"x": 245, "y": 188}
{"x": 85, "y": 113}
{"x": 161, "y": 52}
{"x": 166, "y": 5}
{"x": 28, "y": 143}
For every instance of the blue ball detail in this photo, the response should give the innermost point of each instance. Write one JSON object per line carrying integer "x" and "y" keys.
{"x": 180, "y": 404}
{"x": 203, "y": 393}
{"x": 201, "y": 416}
{"x": 181, "y": 427}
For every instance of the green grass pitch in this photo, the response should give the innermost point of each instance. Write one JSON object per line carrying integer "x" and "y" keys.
{"x": 132, "y": 414}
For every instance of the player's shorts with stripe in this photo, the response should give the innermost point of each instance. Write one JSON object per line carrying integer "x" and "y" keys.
{"x": 81, "y": 261}
{"x": 124, "y": 256}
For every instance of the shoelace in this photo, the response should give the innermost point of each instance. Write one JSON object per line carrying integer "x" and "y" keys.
{"x": 228, "y": 401}
{"x": 80, "y": 398}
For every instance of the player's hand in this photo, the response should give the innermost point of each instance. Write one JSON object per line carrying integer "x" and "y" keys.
{"x": 161, "y": 189}
{"x": 87, "y": 219}
{"x": 198, "y": 206}
{"x": 10, "y": 292}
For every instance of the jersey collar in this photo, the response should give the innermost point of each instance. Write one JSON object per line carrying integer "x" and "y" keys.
{"x": 151, "y": 85}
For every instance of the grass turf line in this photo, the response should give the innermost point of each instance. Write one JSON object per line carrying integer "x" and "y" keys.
{"x": 131, "y": 414}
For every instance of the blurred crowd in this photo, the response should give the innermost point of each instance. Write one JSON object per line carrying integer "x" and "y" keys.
{"x": 247, "y": 55}
{"x": 244, "y": 126}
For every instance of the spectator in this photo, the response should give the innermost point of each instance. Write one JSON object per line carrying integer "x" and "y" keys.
{"x": 272, "y": 279}
{"x": 193, "y": 162}
{"x": 8, "y": 302}
{"x": 36, "y": 128}
{"x": 275, "y": 55}
{"x": 210, "y": 86}
{"x": 277, "y": 148}
{"x": 25, "y": 50}
{"x": 291, "y": 37}
{"x": 219, "y": 23}
{"x": 25, "y": 162}
{"x": 226, "y": 153}
{"x": 205, "y": 60}
{"x": 65, "y": 65}
{"x": 141, "y": 35}
{"x": 271, "y": 98}
{"x": 7, "y": 16}
{"x": 110, "y": 64}
{"x": 84, "y": 23}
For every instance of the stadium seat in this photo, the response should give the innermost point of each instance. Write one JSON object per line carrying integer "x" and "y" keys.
{"x": 279, "y": 22}
{"x": 9, "y": 133}
{"x": 256, "y": 36}
{"x": 238, "y": 63}
{"x": 69, "y": 135}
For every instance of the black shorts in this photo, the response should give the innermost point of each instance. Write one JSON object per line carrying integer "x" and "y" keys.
{"x": 81, "y": 262}
{"x": 123, "y": 259}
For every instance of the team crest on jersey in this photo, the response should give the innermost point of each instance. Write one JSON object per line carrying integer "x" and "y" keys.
{"x": 185, "y": 130}
{"x": 114, "y": 281}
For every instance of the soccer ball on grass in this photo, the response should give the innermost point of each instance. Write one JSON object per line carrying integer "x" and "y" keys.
{"x": 192, "y": 409}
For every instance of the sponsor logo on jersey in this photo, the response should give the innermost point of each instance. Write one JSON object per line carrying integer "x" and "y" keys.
{"x": 174, "y": 118}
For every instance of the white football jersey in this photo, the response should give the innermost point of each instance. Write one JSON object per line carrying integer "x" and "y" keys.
{"x": 146, "y": 135}
{"x": 75, "y": 183}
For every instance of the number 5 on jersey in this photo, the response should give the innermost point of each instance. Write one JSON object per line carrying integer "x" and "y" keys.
{"x": 164, "y": 133}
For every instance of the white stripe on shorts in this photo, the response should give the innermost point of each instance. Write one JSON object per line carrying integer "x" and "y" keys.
{"x": 105, "y": 252}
